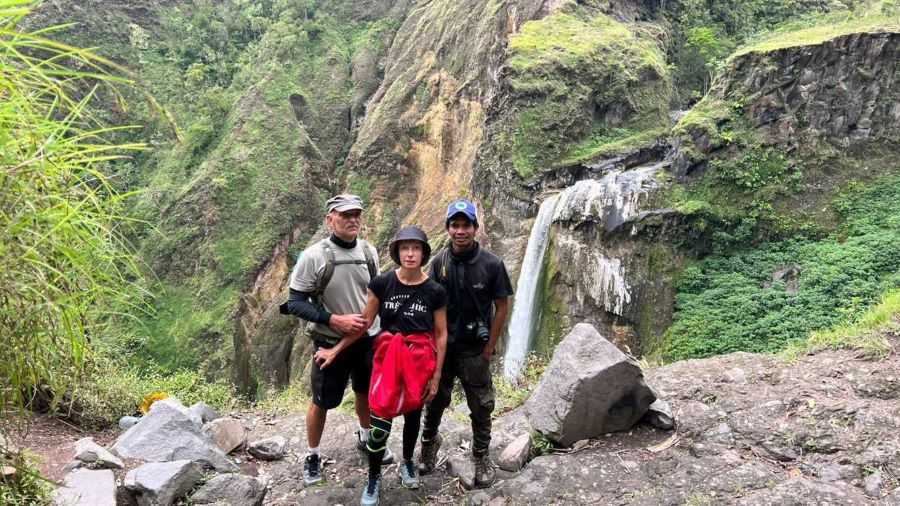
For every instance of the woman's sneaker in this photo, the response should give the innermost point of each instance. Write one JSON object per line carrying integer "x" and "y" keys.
{"x": 312, "y": 469}
{"x": 370, "y": 492}
{"x": 409, "y": 478}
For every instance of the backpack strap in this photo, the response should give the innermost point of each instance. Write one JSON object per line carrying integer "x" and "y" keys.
{"x": 331, "y": 262}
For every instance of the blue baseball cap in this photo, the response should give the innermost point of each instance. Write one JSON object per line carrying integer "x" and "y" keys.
{"x": 462, "y": 206}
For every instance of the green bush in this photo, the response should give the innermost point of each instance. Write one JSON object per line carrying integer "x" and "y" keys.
{"x": 729, "y": 302}
{"x": 26, "y": 487}
{"x": 112, "y": 388}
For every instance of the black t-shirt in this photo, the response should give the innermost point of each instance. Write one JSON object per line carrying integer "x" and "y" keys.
{"x": 418, "y": 315}
{"x": 487, "y": 280}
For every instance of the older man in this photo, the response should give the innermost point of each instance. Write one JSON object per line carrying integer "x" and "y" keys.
{"x": 328, "y": 287}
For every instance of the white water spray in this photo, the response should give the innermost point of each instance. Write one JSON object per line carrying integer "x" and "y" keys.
{"x": 525, "y": 311}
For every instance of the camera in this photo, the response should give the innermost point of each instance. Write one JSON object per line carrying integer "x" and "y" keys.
{"x": 479, "y": 329}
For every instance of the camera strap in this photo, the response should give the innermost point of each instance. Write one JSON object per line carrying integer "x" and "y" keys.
{"x": 468, "y": 288}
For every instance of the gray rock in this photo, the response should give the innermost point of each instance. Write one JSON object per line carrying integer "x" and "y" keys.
{"x": 462, "y": 467}
{"x": 231, "y": 489}
{"x": 837, "y": 472}
{"x": 227, "y": 433}
{"x": 127, "y": 422}
{"x": 589, "y": 388}
{"x": 515, "y": 454}
{"x": 71, "y": 466}
{"x": 659, "y": 415}
{"x": 85, "y": 487}
{"x": 271, "y": 448}
{"x": 479, "y": 498}
{"x": 167, "y": 434}
{"x": 204, "y": 411}
{"x": 873, "y": 484}
{"x": 161, "y": 483}
{"x": 89, "y": 452}
{"x": 173, "y": 403}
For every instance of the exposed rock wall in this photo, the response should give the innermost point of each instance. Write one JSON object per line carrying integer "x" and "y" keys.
{"x": 840, "y": 93}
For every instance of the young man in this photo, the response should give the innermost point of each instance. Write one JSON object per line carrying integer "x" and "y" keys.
{"x": 328, "y": 287}
{"x": 478, "y": 289}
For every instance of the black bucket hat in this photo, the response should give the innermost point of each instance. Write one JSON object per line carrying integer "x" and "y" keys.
{"x": 411, "y": 233}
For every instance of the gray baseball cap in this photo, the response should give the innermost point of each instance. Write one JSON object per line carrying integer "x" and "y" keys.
{"x": 344, "y": 202}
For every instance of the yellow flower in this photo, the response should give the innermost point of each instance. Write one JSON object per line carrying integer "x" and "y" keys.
{"x": 150, "y": 399}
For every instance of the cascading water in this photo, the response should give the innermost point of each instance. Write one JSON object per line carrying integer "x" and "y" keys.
{"x": 609, "y": 201}
{"x": 525, "y": 312}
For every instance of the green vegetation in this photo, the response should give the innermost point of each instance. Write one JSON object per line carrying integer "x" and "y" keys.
{"x": 118, "y": 384}
{"x": 586, "y": 86}
{"x": 865, "y": 334}
{"x": 705, "y": 33}
{"x": 27, "y": 487}
{"x": 512, "y": 395}
{"x": 63, "y": 262}
{"x": 875, "y": 17}
{"x": 729, "y": 301}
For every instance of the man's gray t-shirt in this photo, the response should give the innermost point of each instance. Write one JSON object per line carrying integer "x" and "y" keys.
{"x": 346, "y": 293}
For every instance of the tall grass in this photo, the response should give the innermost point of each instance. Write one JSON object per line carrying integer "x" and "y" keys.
{"x": 63, "y": 262}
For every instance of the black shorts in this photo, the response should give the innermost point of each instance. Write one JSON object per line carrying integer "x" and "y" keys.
{"x": 354, "y": 363}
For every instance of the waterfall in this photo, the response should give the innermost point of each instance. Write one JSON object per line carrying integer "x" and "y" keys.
{"x": 525, "y": 311}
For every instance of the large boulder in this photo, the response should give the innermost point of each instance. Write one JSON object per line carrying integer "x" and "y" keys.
{"x": 231, "y": 489}
{"x": 84, "y": 487}
{"x": 89, "y": 452}
{"x": 160, "y": 483}
{"x": 167, "y": 433}
{"x": 590, "y": 388}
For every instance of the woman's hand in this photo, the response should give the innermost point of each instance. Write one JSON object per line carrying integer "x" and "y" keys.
{"x": 324, "y": 357}
{"x": 432, "y": 389}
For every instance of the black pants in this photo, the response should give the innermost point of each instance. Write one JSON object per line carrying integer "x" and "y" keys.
{"x": 474, "y": 373}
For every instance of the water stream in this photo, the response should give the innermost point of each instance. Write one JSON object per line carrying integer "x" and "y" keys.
{"x": 525, "y": 312}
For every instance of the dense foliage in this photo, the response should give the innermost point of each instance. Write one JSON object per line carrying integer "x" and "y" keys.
{"x": 63, "y": 263}
{"x": 730, "y": 301}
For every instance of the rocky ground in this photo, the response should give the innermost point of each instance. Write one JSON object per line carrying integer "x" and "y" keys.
{"x": 752, "y": 429}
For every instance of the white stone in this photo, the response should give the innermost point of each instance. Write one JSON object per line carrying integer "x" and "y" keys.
{"x": 86, "y": 487}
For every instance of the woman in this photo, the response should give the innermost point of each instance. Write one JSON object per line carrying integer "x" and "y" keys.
{"x": 409, "y": 352}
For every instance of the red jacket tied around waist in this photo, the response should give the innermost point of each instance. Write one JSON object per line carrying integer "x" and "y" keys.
{"x": 401, "y": 368}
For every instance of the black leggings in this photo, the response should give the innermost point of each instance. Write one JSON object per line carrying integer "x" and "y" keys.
{"x": 378, "y": 437}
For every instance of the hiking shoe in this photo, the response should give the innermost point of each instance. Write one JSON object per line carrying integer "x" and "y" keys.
{"x": 312, "y": 472}
{"x": 361, "y": 446}
{"x": 428, "y": 454}
{"x": 409, "y": 478}
{"x": 370, "y": 492}
{"x": 484, "y": 471}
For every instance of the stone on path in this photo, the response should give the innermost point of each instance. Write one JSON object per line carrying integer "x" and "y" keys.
{"x": 165, "y": 434}
{"x": 462, "y": 467}
{"x": 204, "y": 411}
{"x": 590, "y": 388}
{"x": 271, "y": 448}
{"x": 86, "y": 487}
{"x": 89, "y": 452}
{"x": 231, "y": 489}
{"x": 659, "y": 415}
{"x": 161, "y": 483}
{"x": 515, "y": 454}
{"x": 127, "y": 422}
{"x": 227, "y": 433}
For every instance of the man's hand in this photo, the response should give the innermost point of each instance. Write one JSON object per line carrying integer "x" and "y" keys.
{"x": 347, "y": 323}
{"x": 324, "y": 357}
{"x": 487, "y": 353}
{"x": 431, "y": 390}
